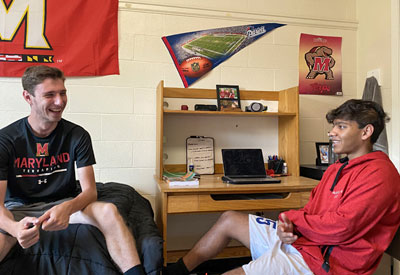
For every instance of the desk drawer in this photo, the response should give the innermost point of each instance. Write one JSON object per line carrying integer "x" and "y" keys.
{"x": 205, "y": 203}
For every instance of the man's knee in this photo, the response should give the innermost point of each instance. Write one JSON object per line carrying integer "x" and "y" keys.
{"x": 234, "y": 225}
{"x": 109, "y": 215}
{"x": 109, "y": 209}
{"x": 232, "y": 219}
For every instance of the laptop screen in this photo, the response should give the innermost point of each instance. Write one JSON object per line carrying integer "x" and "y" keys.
{"x": 243, "y": 162}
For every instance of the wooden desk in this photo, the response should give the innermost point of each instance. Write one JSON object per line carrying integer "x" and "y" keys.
{"x": 206, "y": 197}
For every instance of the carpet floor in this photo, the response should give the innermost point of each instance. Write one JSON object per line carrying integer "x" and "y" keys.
{"x": 219, "y": 266}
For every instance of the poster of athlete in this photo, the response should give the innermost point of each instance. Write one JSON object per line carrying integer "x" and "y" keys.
{"x": 320, "y": 65}
{"x": 196, "y": 53}
{"x": 79, "y": 37}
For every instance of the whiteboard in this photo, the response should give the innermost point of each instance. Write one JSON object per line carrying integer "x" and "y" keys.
{"x": 201, "y": 151}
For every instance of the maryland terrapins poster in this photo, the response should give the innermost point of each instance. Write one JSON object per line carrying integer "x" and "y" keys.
{"x": 196, "y": 53}
{"x": 79, "y": 37}
{"x": 320, "y": 65}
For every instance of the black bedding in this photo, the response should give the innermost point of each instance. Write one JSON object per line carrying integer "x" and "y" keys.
{"x": 81, "y": 249}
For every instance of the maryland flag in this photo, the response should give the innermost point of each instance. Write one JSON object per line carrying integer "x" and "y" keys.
{"x": 196, "y": 53}
{"x": 79, "y": 37}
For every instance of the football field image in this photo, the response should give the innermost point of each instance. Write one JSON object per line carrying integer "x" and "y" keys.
{"x": 214, "y": 45}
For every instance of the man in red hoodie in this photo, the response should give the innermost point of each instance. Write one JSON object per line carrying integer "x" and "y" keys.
{"x": 349, "y": 221}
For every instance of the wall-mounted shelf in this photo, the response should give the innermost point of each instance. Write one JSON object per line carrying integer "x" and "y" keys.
{"x": 287, "y": 116}
{"x": 218, "y": 113}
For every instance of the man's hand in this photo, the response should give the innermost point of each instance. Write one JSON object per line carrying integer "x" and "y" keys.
{"x": 285, "y": 230}
{"x": 56, "y": 218}
{"x": 27, "y": 232}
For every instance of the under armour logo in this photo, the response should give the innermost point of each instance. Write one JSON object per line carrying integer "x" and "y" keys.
{"x": 42, "y": 181}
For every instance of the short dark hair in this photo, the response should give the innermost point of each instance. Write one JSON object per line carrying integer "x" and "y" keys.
{"x": 363, "y": 112}
{"x": 35, "y": 75}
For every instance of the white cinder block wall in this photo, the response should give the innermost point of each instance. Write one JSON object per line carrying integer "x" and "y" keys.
{"x": 119, "y": 111}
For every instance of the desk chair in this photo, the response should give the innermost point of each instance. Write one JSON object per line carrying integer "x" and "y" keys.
{"x": 394, "y": 248}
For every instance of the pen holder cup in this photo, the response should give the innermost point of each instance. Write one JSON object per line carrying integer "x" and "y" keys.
{"x": 276, "y": 165}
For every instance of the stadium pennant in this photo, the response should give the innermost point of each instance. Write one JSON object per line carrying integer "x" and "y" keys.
{"x": 197, "y": 53}
{"x": 320, "y": 65}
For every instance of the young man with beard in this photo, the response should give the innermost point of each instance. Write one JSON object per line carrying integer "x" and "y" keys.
{"x": 38, "y": 154}
{"x": 348, "y": 223}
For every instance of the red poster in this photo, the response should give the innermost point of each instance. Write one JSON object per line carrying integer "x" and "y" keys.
{"x": 320, "y": 65}
{"x": 79, "y": 37}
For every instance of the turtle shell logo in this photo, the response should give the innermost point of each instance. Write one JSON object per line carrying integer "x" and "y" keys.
{"x": 42, "y": 150}
{"x": 320, "y": 62}
{"x": 195, "y": 66}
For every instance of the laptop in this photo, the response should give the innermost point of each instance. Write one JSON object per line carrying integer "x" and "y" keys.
{"x": 245, "y": 166}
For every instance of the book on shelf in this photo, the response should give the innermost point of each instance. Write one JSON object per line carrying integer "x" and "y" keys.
{"x": 181, "y": 179}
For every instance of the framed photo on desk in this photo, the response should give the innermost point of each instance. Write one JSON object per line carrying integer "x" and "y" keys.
{"x": 322, "y": 153}
{"x": 228, "y": 98}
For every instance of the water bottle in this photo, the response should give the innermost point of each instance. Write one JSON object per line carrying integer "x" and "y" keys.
{"x": 191, "y": 165}
{"x": 284, "y": 169}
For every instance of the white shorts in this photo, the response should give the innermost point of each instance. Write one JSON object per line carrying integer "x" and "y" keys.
{"x": 270, "y": 255}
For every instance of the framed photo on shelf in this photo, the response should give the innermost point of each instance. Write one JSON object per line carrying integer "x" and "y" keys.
{"x": 228, "y": 98}
{"x": 322, "y": 153}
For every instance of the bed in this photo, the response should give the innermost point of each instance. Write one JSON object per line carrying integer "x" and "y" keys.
{"x": 81, "y": 249}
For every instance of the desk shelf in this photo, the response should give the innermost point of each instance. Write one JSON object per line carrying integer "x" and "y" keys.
{"x": 287, "y": 115}
{"x": 219, "y": 113}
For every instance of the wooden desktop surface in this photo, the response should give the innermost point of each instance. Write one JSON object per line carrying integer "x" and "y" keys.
{"x": 213, "y": 183}
{"x": 213, "y": 195}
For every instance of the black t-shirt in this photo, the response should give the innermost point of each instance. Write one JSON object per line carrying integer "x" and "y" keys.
{"x": 43, "y": 169}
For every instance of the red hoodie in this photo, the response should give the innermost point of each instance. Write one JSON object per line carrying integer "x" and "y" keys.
{"x": 358, "y": 219}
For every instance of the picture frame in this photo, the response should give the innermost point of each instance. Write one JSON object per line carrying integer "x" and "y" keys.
{"x": 228, "y": 98}
{"x": 322, "y": 149}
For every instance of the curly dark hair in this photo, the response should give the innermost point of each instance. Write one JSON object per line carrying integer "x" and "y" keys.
{"x": 35, "y": 75}
{"x": 363, "y": 112}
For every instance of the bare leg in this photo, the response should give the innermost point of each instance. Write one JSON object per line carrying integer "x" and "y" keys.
{"x": 236, "y": 271}
{"x": 231, "y": 225}
{"x": 6, "y": 243}
{"x": 120, "y": 242}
